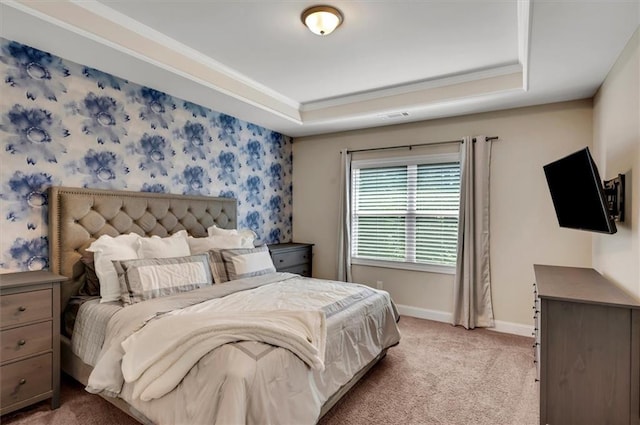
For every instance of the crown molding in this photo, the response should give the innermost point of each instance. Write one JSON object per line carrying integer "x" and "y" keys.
{"x": 417, "y": 100}
{"x": 93, "y": 20}
{"x": 420, "y": 86}
{"x": 524, "y": 39}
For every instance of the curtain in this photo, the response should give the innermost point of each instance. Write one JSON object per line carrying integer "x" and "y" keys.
{"x": 344, "y": 219}
{"x": 472, "y": 289}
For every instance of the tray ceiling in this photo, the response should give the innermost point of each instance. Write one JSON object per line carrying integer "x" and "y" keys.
{"x": 390, "y": 61}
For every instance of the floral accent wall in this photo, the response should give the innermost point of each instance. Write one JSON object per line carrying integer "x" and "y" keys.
{"x": 62, "y": 123}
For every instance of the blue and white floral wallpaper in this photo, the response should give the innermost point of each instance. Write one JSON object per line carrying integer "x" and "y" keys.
{"x": 63, "y": 123}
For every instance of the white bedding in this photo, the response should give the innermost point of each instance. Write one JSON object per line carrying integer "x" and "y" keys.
{"x": 247, "y": 381}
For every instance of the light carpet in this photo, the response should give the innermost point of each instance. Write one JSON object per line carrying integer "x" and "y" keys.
{"x": 446, "y": 376}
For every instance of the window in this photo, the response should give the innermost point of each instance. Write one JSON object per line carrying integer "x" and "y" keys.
{"x": 405, "y": 212}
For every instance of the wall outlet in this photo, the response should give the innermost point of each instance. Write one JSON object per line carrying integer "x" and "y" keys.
{"x": 379, "y": 284}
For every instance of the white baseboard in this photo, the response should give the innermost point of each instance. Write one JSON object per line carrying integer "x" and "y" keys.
{"x": 513, "y": 328}
{"x": 423, "y": 313}
{"x": 446, "y": 317}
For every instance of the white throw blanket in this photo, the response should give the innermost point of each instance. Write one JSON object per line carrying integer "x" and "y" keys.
{"x": 159, "y": 355}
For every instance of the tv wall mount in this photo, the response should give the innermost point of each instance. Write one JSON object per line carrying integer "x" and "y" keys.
{"x": 614, "y": 194}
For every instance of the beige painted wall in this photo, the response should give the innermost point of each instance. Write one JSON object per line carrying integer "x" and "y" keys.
{"x": 524, "y": 229}
{"x": 616, "y": 133}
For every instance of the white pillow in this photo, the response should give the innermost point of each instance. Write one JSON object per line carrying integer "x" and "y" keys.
{"x": 217, "y": 231}
{"x": 106, "y": 249}
{"x": 200, "y": 245}
{"x": 241, "y": 263}
{"x": 156, "y": 247}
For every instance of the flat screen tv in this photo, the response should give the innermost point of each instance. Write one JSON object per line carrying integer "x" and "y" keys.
{"x": 578, "y": 193}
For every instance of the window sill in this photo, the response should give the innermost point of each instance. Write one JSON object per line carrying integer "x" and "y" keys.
{"x": 431, "y": 268}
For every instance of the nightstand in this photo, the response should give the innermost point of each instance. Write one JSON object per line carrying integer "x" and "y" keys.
{"x": 29, "y": 339}
{"x": 292, "y": 257}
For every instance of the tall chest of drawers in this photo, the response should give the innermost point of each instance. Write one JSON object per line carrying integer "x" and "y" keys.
{"x": 589, "y": 348}
{"x": 292, "y": 257}
{"x": 29, "y": 339}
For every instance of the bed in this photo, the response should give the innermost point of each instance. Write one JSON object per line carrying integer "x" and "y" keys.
{"x": 242, "y": 379}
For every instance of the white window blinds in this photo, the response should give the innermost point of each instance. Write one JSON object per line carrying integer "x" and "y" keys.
{"x": 406, "y": 213}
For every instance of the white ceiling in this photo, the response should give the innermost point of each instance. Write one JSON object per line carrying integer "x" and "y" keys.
{"x": 389, "y": 62}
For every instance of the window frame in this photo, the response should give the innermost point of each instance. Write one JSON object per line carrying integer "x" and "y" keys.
{"x": 391, "y": 162}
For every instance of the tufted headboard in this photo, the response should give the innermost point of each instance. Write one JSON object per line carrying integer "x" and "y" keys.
{"x": 78, "y": 216}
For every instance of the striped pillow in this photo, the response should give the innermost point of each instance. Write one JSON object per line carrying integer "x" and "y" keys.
{"x": 212, "y": 245}
{"x": 149, "y": 278}
{"x": 218, "y": 270}
{"x": 247, "y": 262}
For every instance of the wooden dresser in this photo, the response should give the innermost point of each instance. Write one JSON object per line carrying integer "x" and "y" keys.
{"x": 589, "y": 352}
{"x": 29, "y": 339}
{"x": 292, "y": 257}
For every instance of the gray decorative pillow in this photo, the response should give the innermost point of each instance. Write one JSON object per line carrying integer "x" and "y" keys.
{"x": 247, "y": 262}
{"x": 91, "y": 284}
{"x": 144, "y": 279}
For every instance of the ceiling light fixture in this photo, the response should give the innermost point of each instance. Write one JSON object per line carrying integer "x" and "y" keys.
{"x": 322, "y": 20}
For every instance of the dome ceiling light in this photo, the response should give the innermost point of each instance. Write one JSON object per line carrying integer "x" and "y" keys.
{"x": 321, "y": 20}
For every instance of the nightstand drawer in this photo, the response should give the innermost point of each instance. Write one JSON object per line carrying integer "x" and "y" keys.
{"x": 291, "y": 258}
{"x": 302, "y": 270}
{"x": 25, "y": 379}
{"x": 25, "y": 340}
{"x": 25, "y": 307}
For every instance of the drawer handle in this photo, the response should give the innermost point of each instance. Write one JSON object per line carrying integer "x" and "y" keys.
{"x": 23, "y": 381}
{"x": 281, "y": 260}
{"x": 22, "y": 342}
{"x": 22, "y": 308}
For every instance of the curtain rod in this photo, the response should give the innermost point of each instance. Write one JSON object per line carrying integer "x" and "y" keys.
{"x": 486, "y": 139}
